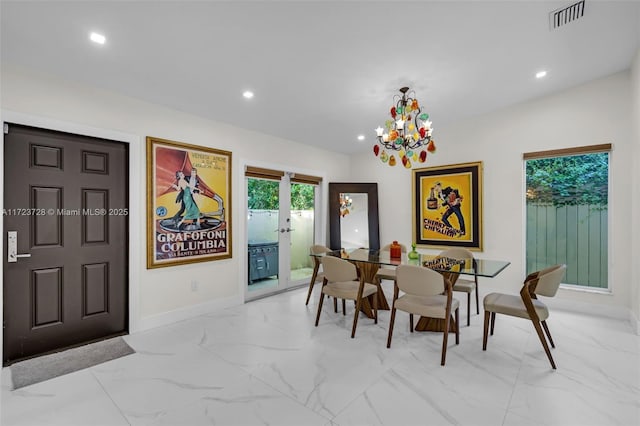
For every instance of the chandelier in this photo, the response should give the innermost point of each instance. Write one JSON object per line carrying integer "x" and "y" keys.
{"x": 408, "y": 132}
{"x": 345, "y": 203}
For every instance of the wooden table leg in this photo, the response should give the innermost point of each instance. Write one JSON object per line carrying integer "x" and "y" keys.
{"x": 368, "y": 271}
{"x": 434, "y": 324}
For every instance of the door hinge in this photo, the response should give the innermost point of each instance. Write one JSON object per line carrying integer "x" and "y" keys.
{"x": 5, "y": 128}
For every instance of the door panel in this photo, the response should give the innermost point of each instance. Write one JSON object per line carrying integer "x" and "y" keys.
{"x": 66, "y": 196}
{"x": 302, "y": 232}
{"x": 280, "y": 221}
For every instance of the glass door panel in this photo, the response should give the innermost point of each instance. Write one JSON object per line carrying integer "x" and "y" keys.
{"x": 263, "y": 245}
{"x": 302, "y": 232}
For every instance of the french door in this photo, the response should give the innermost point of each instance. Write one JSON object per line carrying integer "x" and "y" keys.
{"x": 281, "y": 227}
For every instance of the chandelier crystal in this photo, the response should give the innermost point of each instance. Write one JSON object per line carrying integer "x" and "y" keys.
{"x": 408, "y": 132}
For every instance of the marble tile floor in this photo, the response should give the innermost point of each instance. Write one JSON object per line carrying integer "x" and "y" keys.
{"x": 264, "y": 363}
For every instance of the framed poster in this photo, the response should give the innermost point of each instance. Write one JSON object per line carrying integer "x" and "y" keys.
{"x": 188, "y": 203}
{"x": 447, "y": 206}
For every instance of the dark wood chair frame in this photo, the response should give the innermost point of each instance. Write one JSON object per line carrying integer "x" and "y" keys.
{"x": 527, "y": 293}
{"x": 358, "y": 303}
{"x": 448, "y": 287}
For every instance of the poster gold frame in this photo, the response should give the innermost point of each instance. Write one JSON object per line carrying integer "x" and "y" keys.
{"x": 152, "y": 262}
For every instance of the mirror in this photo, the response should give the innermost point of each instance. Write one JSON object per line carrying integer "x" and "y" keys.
{"x": 353, "y": 215}
{"x": 354, "y": 220}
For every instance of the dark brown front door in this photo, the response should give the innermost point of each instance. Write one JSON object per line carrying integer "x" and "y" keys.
{"x": 66, "y": 207}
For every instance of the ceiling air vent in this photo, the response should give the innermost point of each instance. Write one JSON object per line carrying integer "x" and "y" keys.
{"x": 565, "y": 15}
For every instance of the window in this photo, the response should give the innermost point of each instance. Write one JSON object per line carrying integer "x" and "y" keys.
{"x": 567, "y": 198}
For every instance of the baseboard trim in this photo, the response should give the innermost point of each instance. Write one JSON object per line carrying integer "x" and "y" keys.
{"x": 607, "y": 311}
{"x": 147, "y": 323}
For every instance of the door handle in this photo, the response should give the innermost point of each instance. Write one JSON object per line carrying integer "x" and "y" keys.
{"x": 290, "y": 229}
{"x": 12, "y": 247}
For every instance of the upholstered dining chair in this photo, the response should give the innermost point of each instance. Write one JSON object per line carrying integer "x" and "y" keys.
{"x": 388, "y": 273}
{"x": 423, "y": 295}
{"x": 461, "y": 284}
{"x": 317, "y": 276}
{"x": 544, "y": 283}
{"x": 341, "y": 282}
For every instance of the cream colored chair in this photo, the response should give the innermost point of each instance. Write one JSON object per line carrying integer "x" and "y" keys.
{"x": 317, "y": 276}
{"x": 341, "y": 281}
{"x": 388, "y": 273}
{"x": 527, "y": 305}
{"x": 424, "y": 296}
{"x": 461, "y": 284}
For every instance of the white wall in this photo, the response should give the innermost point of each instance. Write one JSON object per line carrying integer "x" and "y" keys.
{"x": 597, "y": 112}
{"x": 594, "y": 113}
{"x": 164, "y": 294}
{"x": 635, "y": 230}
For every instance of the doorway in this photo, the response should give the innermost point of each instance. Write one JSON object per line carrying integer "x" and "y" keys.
{"x": 281, "y": 226}
{"x": 65, "y": 262}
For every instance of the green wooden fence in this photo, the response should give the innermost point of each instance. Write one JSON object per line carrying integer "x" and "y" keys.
{"x": 574, "y": 235}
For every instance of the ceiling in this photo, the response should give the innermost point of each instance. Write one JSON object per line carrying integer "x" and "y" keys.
{"x": 322, "y": 72}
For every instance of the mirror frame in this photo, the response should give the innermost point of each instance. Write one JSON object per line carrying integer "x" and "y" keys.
{"x": 371, "y": 189}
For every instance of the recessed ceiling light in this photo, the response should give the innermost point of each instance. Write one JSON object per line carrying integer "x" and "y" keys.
{"x": 247, "y": 94}
{"x": 360, "y": 137}
{"x": 97, "y": 38}
{"x": 541, "y": 74}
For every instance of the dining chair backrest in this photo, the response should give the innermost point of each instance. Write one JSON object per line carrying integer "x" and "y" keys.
{"x": 419, "y": 281}
{"x": 403, "y": 248}
{"x": 549, "y": 282}
{"x": 338, "y": 270}
{"x": 457, "y": 253}
{"x": 318, "y": 249}
{"x": 359, "y": 252}
{"x": 532, "y": 276}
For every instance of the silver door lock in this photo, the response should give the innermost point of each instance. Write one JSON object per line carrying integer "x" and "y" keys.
{"x": 12, "y": 247}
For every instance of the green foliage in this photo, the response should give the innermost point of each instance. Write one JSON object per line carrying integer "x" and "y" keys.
{"x": 302, "y": 196}
{"x": 264, "y": 195}
{"x": 571, "y": 180}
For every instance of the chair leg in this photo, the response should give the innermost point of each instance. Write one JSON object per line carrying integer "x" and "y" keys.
{"x": 411, "y": 323}
{"x": 375, "y": 308}
{"x": 355, "y": 317}
{"x": 546, "y": 330}
{"x": 319, "y": 308}
{"x": 445, "y": 338}
{"x": 468, "y": 309}
{"x": 335, "y": 305}
{"x": 485, "y": 335}
{"x": 311, "y": 284}
{"x": 493, "y": 321}
{"x": 393, "y": 319}
{"x": 458, "y": 328}
{"x": 536, "y": 325}
{"x": 344, "y": 309}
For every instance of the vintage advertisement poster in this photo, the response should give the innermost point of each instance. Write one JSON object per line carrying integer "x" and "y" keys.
{"x": 188, "y": 203}
{"x": 447, "y": 206}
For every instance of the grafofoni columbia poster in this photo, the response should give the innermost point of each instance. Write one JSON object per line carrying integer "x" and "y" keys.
{"x": 188, "y": 203}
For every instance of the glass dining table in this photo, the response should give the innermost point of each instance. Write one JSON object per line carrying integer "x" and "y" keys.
{"x": 368, "y": 261}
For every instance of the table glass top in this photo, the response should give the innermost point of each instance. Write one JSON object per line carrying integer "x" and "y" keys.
{"x": 477, "y": 266}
